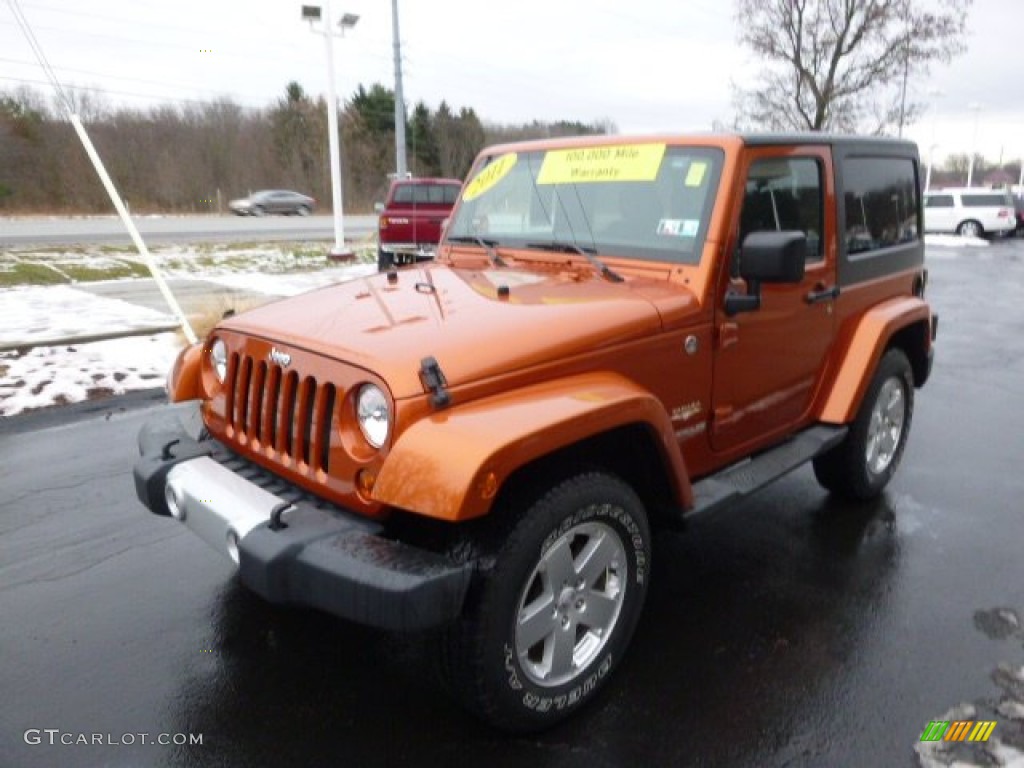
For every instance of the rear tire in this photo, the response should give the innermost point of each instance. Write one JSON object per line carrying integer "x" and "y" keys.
{"x": 385, "y": 260}
{"x": 303, "y": 210}
{"x": 970, "y": 228}
{"x": 863, "y": 464}
{"x": 550, "y": 617}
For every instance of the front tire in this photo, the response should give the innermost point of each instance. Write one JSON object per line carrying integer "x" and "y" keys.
{"x": 546, "y": 624}
{"x": 863, "y": 464}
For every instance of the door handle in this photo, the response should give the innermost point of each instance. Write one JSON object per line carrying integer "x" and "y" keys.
{"x": 822, "y": 293}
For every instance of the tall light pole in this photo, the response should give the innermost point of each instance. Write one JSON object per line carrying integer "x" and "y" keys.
{"x": 400, "y": 165}
{"x": 974, "y": 143}
{"x": 934, "y": 93}
{"x": 928, "y": 176}
{"x": 312, "y": 13}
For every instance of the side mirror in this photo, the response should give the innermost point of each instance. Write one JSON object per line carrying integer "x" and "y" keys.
{"x": 773, "y": 257}
{"x": 767, "y": 257}
{"x": 378, "y": 207}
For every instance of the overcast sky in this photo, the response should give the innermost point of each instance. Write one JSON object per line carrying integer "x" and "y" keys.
{"x": 647, "y": 65}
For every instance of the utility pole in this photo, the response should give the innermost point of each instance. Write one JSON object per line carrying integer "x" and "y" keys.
{"x": 400, "y": 165}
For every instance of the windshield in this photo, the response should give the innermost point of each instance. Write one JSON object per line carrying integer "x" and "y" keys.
{"x": 641, "y": 201}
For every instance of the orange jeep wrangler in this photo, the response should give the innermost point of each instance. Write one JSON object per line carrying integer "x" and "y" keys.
{"x": 616, "y": 333}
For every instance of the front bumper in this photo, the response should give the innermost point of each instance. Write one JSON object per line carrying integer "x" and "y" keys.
{"x": 290, "y": 547}
{"x": 410, "y": 252}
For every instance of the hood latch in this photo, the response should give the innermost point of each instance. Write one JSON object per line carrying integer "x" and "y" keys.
{"x": 433, "y": 380}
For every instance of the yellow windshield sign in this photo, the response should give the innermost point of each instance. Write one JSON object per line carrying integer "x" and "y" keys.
{"x": 622, "y": 162}
{"x": 489, "y": 176}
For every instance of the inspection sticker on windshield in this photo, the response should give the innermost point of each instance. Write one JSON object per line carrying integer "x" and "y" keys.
{"x": 489, "y": 176}
{"x": 695, "y": 175}
{"x": 679, "y": 227}
{"x": 622, "y": 162}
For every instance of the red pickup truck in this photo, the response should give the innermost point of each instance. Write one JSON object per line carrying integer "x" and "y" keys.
{"x": 409, "y": 226}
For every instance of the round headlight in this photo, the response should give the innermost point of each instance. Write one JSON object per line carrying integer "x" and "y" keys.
{"x": 373, "y": 414}
{"x": 219, "y": 359}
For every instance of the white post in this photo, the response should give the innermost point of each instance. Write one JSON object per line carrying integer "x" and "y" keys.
{"x": 974, "y": 145}
{"x": 339, "y": 250}
{"x": 400, "y": 164}
{"x": 108, "y": 184}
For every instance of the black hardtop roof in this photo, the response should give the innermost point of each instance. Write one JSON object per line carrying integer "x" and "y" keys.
{"x": 847, "y": 144}
{"x": 832, "y": 139}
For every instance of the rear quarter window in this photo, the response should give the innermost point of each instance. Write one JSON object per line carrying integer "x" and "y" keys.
{"x": 880, "y": 200}
{"x": 985, "y": 201}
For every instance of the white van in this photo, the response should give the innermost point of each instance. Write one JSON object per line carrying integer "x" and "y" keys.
{"x": 972, "y": 211}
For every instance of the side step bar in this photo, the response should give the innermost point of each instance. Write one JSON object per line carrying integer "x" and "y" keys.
{"x": 741, "y": 479}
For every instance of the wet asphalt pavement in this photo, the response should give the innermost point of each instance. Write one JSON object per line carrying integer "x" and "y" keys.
{"x": 793, "y": 630}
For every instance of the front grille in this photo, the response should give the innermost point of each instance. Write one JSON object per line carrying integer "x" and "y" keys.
{"x": 287, "y": 413}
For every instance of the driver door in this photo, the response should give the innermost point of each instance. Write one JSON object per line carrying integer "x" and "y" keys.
{"x": 769, "y": 362}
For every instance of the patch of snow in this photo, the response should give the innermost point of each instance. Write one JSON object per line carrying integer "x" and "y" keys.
{"x": 48, "y": 375}
{"x": 1013, "y": 673}
{"x": 37, "y": 313}
{"x": 955, "y": 241}
{"x": 291, "y": 284}
{"x": 1011, "y": 708}
{"x": 1005, "y": 755}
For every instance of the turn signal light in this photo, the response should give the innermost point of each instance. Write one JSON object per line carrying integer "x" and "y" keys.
{"x": 365, "y": 480}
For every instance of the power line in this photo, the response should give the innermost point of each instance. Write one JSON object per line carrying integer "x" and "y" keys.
{"x": 100, "y": 17}
{"x": 115, "y": 77}
{"x": 37, "y": 49}
{"x": 108, "y": 91}
{"x": 245, "y": 55}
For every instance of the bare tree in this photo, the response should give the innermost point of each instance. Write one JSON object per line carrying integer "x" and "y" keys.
{"x": 842, "y": 64}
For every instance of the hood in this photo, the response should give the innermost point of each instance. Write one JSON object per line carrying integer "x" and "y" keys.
{"x": 457, "y": 316}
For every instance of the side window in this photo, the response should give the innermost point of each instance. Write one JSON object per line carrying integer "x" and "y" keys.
{"x": 880, "y": 200}
{"x": 451, "y": 193}
{"x": 938, "y": 201}
{"x": 785, "y": 194}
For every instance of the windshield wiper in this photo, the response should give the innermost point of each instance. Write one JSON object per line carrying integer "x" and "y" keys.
{"x": 567, "y": 247}
{"x": 487, "y": 245}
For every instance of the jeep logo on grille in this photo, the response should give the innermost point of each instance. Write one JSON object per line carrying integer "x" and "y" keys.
{"x": 281, "y": 358}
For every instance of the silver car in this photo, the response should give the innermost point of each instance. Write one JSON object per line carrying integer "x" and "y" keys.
{"x": 273, "y": 201}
